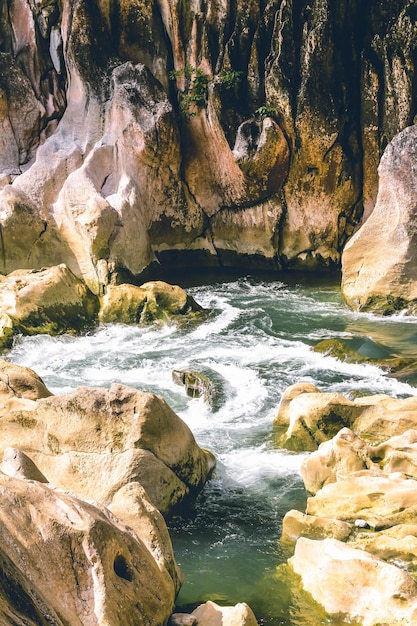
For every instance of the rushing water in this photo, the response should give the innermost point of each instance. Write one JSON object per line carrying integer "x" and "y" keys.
{"x": 257, "y": 341}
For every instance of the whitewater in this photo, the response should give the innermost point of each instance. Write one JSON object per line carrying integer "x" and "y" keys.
{"x": 256, "y": 342}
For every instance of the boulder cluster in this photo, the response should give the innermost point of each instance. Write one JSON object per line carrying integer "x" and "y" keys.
{"x": 356, "y": 543}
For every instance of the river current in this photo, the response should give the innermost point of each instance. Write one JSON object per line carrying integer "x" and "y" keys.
{"x": 256, "y": 342}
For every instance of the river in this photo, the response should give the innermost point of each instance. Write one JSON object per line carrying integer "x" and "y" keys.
{"x": 256, "y": 341}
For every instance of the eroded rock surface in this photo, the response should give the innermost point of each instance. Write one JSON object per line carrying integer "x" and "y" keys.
{"x": 67, "y": 561}
{"x": 230, "y": 134}
{"x": 380, "y": 272}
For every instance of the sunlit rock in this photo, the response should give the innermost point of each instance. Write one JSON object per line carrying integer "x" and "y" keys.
{"x": 306, "y": 417}
{"x": 353, "y": 583}
{"x": 51, "y": 300}
{"x": 344, "y": 454}
{"x": 379, "y": 272}
{"x": 95, "y": 441}
{"x": 66, "y": 561}
{"x": 381, "y": 501}
{"x": 154, "y": 301}
{"x": 211, "y": 614}
{"x": 22, "y": 381}
{"x": 296, "y": 524}
{"x": 311, "y": 417}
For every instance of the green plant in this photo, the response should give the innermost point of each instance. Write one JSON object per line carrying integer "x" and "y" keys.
{"x": 230, "y": 78}
{"x": 195, "y": 88}
{"x": 265, "y": 111}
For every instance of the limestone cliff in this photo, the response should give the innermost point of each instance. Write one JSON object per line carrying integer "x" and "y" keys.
{"x": 208, "y": 133}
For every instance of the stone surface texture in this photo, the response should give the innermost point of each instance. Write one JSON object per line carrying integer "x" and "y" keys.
{"x": 170, "y": 134}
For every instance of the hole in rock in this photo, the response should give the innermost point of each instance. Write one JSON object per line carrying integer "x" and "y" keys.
{"x": 121, "y": 568}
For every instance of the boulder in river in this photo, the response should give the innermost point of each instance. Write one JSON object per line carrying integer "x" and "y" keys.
{"x": 49, "y": 301}
{"x": 95, "y": 441}
{"x": 155, "y": 301}
{"x": 67, "y": 561}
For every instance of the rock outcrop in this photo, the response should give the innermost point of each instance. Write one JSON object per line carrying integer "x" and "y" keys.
{"x": 355, "y": 544}
{"x": 95, "y": 441}
{"x": 67, "y": 561}
{"x": 379, "y": 261}
{"x": 189, "y": 134}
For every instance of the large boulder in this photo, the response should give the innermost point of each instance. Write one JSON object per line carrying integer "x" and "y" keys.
{"x": 379, "y": 273}
{"x": 306, "y": 417}
{"x": 51, "y": 300}
{"x": 67, "y": 561}
{"x": 95, "y": 441}
{"x": 154, "y": 301}
{"x": 354, "y": 584}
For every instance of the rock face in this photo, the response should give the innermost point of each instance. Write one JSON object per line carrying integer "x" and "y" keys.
{"x": 380, "y": 273}
{"x": 356, "y": 543}
{"x": 209, "y": 134}
{"x": 95, "y": 441}
{"x": 66, "y": 561}
{"x": 66, "y": 558}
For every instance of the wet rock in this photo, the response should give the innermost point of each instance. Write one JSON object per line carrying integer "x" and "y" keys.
{"x": 211, "y": 614}
{"x": 206, "y": 384}
{"x": 152, "y": 302}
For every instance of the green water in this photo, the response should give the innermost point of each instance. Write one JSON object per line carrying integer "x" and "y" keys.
{"x": 257, "y": 341}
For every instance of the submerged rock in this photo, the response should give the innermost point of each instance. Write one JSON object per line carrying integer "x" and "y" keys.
{"x": 206, "y": 384}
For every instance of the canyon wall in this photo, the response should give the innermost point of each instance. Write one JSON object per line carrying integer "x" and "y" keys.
{"x": 206, "y": 133}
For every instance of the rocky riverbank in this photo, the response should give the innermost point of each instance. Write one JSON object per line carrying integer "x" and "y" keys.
{"x": 356, "y": 543}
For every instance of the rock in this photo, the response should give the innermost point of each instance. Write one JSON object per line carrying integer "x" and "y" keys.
{"x": 354, "y": 584}
{"x": 16, "y": 464}
{"x": 396, "y": 545}
{"x": 343, "y": 455}
{"x": 306, "y": 418}
{"x": 207, "y": 384}
{"x": 154, "y": 301}
{"x": 312, "y": 417}
{"x": 211, "y": 614}
{"x": 22, "y": 381}
{"x": 374, "y": 278}
{"x": 51, "y": 300}
{"x": 66, "y": 561}
{"x": 132, "y": 505}
{"x": 381, "y": 501}
{"x": 296, "y": 524}
{"x": 95, "y": 441}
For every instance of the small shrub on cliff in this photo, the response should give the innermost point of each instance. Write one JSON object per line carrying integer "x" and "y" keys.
{"x": 230, "y": 78}
{"x": 194, "y": 95}
{"x": 265, "y": 111}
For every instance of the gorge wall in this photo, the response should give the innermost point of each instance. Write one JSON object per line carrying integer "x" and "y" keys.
{"x": 203, "y": 133}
